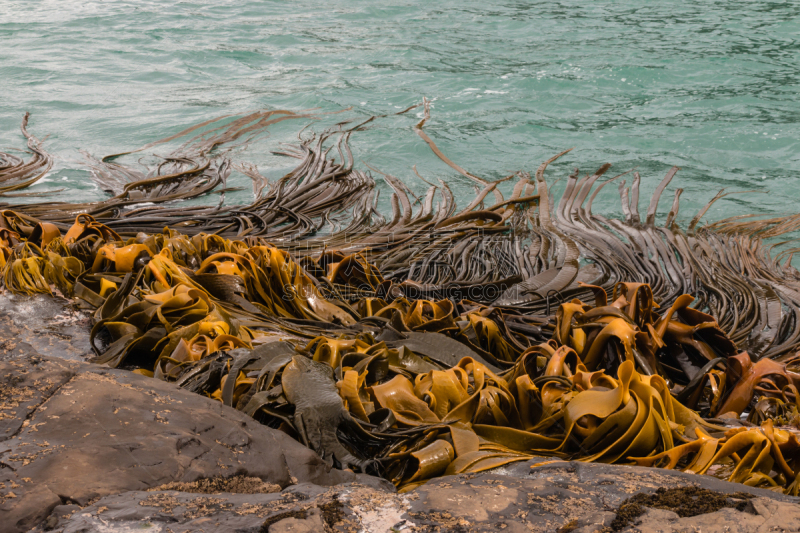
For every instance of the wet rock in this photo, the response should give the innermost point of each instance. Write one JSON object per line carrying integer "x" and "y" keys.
{"x": 677, "y": 502}
{"x": 73, "y": 432}
{"x": 44, "y": 325}
{"x": 236, "y": 484}
{"x": 59, "y": 516}
{"x": 563, "y": 497}
{"x": 312, "y": 523}
{"x": 766, "y": 515}
{"x": 296, "y": 510}
{"x": 548, "y": 496}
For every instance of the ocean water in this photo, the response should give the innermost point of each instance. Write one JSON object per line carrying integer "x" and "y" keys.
{"x": 709, "y": 86}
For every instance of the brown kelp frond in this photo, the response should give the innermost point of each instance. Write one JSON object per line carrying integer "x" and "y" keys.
{"x": 752, "y": 226}
{"x": 16, "y": 173}
{"x": 444, "y": 158}
{"x": 434, "y": 340}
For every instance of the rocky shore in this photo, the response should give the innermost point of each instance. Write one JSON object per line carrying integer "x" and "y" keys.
{"x": 87, "y": 448}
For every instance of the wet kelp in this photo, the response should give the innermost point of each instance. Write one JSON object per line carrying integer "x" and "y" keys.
{"x": 437, "y": 341}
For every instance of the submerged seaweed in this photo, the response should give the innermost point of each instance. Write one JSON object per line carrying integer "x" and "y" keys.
{"x": 441, "y": 340}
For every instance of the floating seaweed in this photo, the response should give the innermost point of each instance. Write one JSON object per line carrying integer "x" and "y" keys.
{"x": 439, "y": 341}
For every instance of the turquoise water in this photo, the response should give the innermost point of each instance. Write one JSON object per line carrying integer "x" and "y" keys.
{"x": 709, "y": 86}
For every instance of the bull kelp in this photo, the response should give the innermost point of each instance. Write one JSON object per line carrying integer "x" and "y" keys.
{"x": 441, "y": 340}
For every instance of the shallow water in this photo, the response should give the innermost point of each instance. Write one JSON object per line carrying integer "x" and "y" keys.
{"x": 710, "y": 87}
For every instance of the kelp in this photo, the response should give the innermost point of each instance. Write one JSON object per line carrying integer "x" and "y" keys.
{"x": 433, "y": 341}
{"x": 16, "y": 173}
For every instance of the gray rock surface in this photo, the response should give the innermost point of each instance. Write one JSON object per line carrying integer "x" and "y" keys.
{"x": 45, "y": 325}
{"x": 298, "y": 509}
{"x": 550, "y": 495}
{"x": 766, "y": 516}
{"x": 72, "y": 432}
{"x": 563, "y": 497}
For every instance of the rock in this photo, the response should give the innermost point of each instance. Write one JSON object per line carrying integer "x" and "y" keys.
{"x": 73, "y": 432}
{"x": 593, "y": 523}
{"x": 59, "y": 515}
{"x": 312, "y": 523}
{"x": 557, "y": 496}
{"x": 45, "y": 325}
{"x": 303, "y": 508}
{"x": 766, "y": 515}
{"x": 549, "y": 495}
{"x": 662, "y": 519}
{"x": 236, "y": 484}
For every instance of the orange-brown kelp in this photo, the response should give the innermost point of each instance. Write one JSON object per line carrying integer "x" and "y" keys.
{"x": 438, "y": 341}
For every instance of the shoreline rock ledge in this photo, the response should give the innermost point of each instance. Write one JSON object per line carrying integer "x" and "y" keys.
{"x": 87, "y": 448}
{"x": 71, "y": 432}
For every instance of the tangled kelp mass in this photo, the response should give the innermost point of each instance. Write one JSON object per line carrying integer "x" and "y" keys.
{"x": 442, "y": 340}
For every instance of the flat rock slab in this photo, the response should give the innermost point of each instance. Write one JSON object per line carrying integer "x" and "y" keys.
{"x": 73, "y": 432}
{"x": 45, "y": 325}
{"x": 547, "y": 496}
{"x": 765, "y": 516}
{"x": 180, "y": 512}
{"x": 563, "y": 497}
